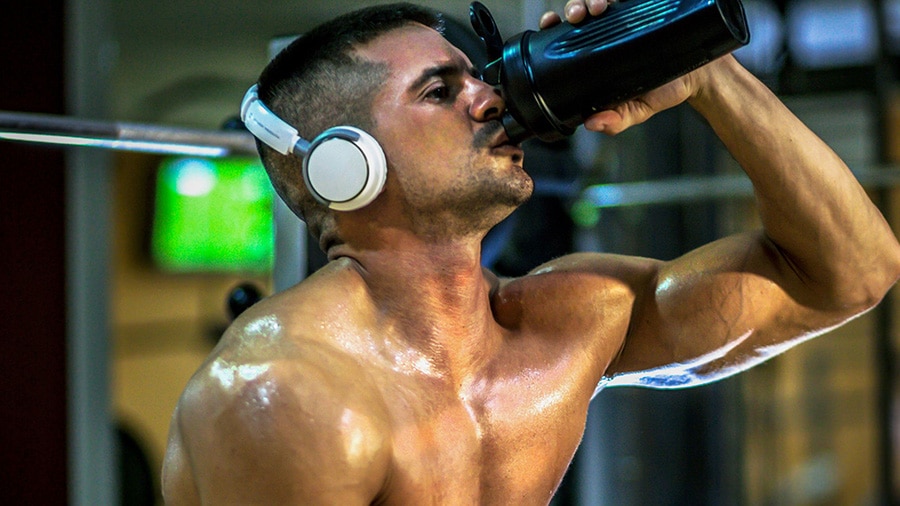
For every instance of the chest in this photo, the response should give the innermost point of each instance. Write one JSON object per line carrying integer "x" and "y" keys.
{"x": 504, "y": 440}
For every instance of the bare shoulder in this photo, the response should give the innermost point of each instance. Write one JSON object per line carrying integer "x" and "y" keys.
{"x": 335, "y": 290}
{"x": 278, "y": 415}
{"x": 618, "y": 269}
{"x": 595, "y": 283}
{"x": 585, "y": 299}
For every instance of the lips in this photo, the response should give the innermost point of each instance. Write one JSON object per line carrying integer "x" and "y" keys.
{"x": 501, "y": 139}
{"x": 493, "y": 137}
{"x": 502, "y": 146}
{"x": 502, "y": 142}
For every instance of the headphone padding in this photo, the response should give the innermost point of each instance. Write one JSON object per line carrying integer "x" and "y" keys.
{"x": 345, "y": 168}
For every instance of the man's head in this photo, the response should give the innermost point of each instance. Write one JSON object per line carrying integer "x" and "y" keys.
{"x": 319, "y": 82}
{"x": 389, "y": 71}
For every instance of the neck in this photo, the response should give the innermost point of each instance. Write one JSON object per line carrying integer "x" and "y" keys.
{"x": 434, "y": 294}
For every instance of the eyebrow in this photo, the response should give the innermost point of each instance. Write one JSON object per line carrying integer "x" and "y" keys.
{"x": 444, "y": 70}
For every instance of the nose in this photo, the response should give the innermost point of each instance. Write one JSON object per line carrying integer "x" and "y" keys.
{"x": 487, "y": 103}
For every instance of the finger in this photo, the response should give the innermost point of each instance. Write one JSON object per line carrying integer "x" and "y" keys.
{"x": 549, "y": 19}
{"x": 576, "y": 11}
{"x": 596, "y": 7}
{"x": 622, "y": 117}
{"x": 603, "y": 121}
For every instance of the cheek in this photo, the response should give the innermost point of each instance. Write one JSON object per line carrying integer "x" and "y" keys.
{"x": 423, "y": 166}
{"x": 427, "y": 147}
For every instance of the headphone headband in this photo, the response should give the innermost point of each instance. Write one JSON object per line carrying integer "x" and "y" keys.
{"x": 266, "y": 126}
{"x": 343, "y": 168}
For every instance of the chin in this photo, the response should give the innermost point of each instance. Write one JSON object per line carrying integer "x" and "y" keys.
{"x": 520, "y": 190}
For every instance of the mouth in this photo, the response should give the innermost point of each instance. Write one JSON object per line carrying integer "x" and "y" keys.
{"x": 502, "y": 145}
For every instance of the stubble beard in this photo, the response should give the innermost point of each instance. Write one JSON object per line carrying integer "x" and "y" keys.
{"x": 480, "y": 200}
{"x": 490, "y": 189}
{"x": 493, "y": 187}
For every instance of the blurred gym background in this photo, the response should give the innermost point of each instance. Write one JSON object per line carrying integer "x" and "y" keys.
{"x": 120, "y": 269}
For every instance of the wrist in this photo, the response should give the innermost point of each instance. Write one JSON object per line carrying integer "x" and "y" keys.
{"x": 707, "y": 82}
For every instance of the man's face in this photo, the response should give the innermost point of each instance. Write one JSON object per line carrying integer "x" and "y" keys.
{"x": 439, "y": 126}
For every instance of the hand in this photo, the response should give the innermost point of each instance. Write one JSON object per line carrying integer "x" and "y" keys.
{"x": 575, "y": 10}
{"x": 634, "y": 111}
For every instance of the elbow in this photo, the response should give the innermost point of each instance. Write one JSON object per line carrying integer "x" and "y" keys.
{"x": 856, "y": 288}
{"x": 880, "y": 276}
{"x": 890, "y": 272}
{"x": 893, "y": 271}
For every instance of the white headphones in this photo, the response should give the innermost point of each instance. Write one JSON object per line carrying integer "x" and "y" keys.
{"x": 344, "y": 167}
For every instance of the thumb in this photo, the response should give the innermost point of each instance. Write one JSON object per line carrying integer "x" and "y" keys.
{"x": 620, "y": 118}
{"x": 603, "y": 120}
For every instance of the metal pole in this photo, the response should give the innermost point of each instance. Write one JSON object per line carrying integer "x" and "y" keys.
{"x": 884, "y": 347}
{"x": 92, "y": 444}
{"x": 681, "y": 190}
{"x": 68, "y": 131}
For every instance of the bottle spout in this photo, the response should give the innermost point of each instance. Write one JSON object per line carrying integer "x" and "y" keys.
{"x": 486, "y": 28}
{"x": 515, "y": 132}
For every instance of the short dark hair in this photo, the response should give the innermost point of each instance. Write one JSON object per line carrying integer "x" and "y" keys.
{"x": 317, "y": 82}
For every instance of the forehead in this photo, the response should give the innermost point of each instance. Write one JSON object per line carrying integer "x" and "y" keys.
{"x": 411, "y": 49}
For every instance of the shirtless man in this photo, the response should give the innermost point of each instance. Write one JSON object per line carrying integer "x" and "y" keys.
{"x": 404, "y": 373}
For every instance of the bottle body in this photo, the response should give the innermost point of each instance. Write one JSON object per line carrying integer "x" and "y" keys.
{"x": 552, "y": 80}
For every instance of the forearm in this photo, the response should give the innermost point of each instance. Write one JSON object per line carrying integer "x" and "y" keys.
{"x": 812, "y": 208}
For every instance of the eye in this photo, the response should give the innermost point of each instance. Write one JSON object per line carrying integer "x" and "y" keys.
{"x": 438, "y": 93}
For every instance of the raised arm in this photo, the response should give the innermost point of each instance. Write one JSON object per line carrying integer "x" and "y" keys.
{"x": 841, "y": 251}
{"x": 825, "y": 253}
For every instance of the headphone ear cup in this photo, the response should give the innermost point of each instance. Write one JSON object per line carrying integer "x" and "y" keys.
{"x": 345, "y": 168}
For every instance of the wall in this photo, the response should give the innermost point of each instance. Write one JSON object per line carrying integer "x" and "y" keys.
{"x": 32, "y": 237}
{"x": 163, "y": 324}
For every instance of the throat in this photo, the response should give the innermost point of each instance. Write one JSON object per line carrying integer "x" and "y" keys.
{"x": 430, "y": 298}
{"x": 455, "y": 339}
{"x": 447, "y": 323}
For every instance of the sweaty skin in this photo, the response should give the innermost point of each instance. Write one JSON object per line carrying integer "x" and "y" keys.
{"x": 403, "y": 373}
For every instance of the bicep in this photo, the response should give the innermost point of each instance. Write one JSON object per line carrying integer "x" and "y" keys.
{"x": 713, "y": 312}
{"x": 285, "y": 436}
